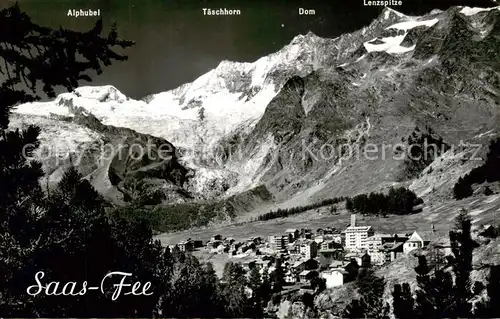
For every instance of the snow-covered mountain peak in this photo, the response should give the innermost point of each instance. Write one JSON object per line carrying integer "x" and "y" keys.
{"x": 387, "y": 13}
{"x": 227, "y": 68}
{"x": 331, "y": 82}
{"x": 307, "y": 38}
{"x": 469, "y": 11}
{"x": 101, "y": 93}
{"x": 436, "y": 11}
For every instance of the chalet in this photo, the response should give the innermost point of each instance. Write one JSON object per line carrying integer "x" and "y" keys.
{"x": 326, "y": 257}
{"x": 186, "y": 245}
{"x": 307, "y": 275}
{"x": 212, "y": 244}
{"x": 301, "y": 265}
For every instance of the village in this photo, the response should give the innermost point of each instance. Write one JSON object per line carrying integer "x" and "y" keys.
{"x": 333, "y": 254}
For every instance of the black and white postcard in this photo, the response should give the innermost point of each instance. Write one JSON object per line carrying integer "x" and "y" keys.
{"x": 250, "y": 159}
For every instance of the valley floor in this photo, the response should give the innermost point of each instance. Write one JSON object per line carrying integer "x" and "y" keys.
{"x": 483, "y": 210}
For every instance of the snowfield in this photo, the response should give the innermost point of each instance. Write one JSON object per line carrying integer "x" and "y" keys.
{"x": 393, "y": 45}
{"x": 174, "y": 115}
{"x": 407, "y": 25}
{"x": 232, "y": 97}
{"x": 389, "y": 45}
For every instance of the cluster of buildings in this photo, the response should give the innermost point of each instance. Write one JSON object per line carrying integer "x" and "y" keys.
{"x": 329, "y": 253}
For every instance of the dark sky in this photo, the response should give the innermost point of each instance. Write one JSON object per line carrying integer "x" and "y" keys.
{"x": 175, "y": 43}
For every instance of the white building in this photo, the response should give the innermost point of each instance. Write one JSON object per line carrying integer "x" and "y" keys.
{"x": 334, "y": 277}
{"x": 375, "y": 247}
{"x": 356, "y": 236}
{"x": 279, "y": 242}
{"x": 309, "y": 249}
{"x": 414, "y": 242}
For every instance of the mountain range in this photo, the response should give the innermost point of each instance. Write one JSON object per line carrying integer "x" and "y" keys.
{"x": 294, "y": 125}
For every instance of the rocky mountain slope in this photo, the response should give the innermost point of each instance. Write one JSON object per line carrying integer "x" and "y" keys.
{"x": 298, "y": 121}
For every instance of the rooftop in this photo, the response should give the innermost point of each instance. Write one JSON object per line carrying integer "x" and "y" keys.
{"x": 358, "y": 228}
{"x": 392, "y": 246}
{"x": 340, "y": 270}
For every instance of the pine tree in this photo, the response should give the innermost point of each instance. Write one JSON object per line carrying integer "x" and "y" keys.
{"x": 36, "y": 231}
{"x": 233, "y": 293}
{"x": 370, "y": 305}
{"x": 308, "y": 301}
{"x": 424, "y": 303}
{"x": 255, "y": 284}
{"x": 349, "y": 205}
{"x": 462, "y": 188}
{"x": 443, "y": 293}
{"x": 278, "y": 276}
{"x": 440, "y": 295}
{"x": 201, "y": 114}
{"x": 435, "y": 294}
{"x": 462, "y": 248}
{"x": 403, "y": 302}
{"x": 490, "y": 308}
{"x": 354, "y": 310}
{"x": 210, "y": 302}
{"x": 265, "y": 290}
